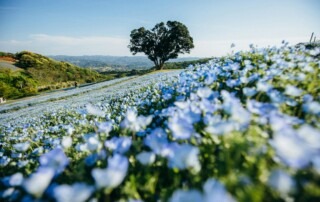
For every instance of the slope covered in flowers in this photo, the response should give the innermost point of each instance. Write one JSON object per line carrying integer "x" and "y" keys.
{"x": 240, "y": 128}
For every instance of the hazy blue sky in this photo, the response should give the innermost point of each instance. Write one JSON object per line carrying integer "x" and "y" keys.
{"x": 88, "y": 27}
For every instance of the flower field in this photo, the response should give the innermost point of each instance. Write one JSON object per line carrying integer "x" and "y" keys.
{"x": 244, "y": 127}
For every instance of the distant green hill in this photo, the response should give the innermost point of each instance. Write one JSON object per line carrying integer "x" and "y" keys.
{"x": 27, "y": 73}
{"x": 113, "y": 63}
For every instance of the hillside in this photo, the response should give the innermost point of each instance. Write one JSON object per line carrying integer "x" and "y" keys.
{"x": 27, "y": 73}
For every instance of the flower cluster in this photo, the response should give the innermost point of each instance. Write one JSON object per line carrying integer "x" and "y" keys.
{"x": 239, "y": 128}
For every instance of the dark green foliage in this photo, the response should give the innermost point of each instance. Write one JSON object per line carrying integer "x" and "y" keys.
{"x": 120, "y": 74}
{"x": 184, "y": 64}
{"x": 4, "y": 54}
{"x": 16, "y": 84}
{"x": 161, "y": 43}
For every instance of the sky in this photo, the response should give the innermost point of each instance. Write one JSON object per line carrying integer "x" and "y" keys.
{"x": 102, "y": 27}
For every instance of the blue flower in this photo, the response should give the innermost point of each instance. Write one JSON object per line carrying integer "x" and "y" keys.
{"x": 134, "y": 122}
{"x": 204, "y": 92}
{"x": 184, "y": 156}
{"x": 22, "y": 146}
{"x": 78, "y": 192}
{"x": 293, "y": 91}
{"x": 16, "y": 179}
{"x": 221, "y": 128}
{"x": 113, "y": 175}
{"x": 55, "y": 159}
{"x": 38, "y": 182}
{"x": 186, "y": 196}
{"x": 119, "y": 144}
{"x": 157, "y": 140}
{"x": 105, "y": 127}
{"x": 291, "y": 148}
{"x": 180, "y": 128}
{"x": 94, "y": 110}
{"x": 146, "y": 158}
{"x": 312, "y": 107}
{"x": 214, "y": 191}
{"x": 249, "y": 92}
{"x": 281, "y": 181}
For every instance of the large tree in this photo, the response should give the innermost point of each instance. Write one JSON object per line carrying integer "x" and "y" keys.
{"x": 161, "y": 43}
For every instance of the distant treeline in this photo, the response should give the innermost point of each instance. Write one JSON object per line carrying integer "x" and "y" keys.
{"x": 120, "y": 63}
{"x": 184, "y": 64}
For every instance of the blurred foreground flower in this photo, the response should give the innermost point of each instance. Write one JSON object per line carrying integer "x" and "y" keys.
{"x": 118, "y": 144}
{"x": 214, "y": 191}
{"x": 281, "y": 182}
{"x": 55, "y": 159}
{"x": 113, "y": 175}
{"x": 78, "y": 192}
{"x": 135, "y": 123}
{"x": 184, "y": 156}
{"x": 146, "y": 158}
{"x": 186, "y": 196}
{"x": 38, "y": 182}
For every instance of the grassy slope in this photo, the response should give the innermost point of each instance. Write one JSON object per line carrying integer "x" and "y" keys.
{"x": 27, "y": 73}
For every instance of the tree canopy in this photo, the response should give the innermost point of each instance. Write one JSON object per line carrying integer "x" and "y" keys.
{"x": 161, "y": 43}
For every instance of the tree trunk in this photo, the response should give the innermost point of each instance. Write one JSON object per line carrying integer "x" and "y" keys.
{"x": 159, "y": 67}
{"x": 158, "y": 64}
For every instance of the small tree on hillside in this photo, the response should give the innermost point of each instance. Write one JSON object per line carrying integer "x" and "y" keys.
{"x": 161, "y": 43}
